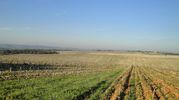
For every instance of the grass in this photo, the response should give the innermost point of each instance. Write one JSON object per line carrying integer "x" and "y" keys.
{"x": 58, "y": 87}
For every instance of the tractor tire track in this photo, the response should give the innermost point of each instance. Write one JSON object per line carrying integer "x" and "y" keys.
{"x": 147, "y": 92}
{"x": 138, "y": 85}
{"x": 122, "y": 86}
{"x": 117, "y": 86}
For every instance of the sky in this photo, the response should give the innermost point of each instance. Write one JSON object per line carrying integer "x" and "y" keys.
{"x": 92, "y": 24}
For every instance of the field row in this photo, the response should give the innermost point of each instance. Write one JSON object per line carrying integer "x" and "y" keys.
{"x": 138, "y": 83}
{"x": 11, "y": 71}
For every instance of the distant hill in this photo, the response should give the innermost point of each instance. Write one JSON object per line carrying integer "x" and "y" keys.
{"x": 19, "y": 46}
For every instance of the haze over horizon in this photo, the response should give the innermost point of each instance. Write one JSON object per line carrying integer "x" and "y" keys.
{"x": 92, "y": 24}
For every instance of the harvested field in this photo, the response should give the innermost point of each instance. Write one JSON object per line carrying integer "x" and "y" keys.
{"x": 89, "y": 76}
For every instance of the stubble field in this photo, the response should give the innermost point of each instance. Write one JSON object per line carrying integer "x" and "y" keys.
{"x": 89, "y": 76}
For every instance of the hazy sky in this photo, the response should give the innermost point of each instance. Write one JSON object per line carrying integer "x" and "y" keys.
{"x": 102, "y": 24}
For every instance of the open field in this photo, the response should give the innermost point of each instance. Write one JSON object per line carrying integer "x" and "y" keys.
{"x": 76, "y": 75}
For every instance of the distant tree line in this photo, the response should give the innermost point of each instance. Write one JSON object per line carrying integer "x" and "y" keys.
{"x": 170, "y": 53}
{"x": 155, "y": 52}
{"x": 28, "y": 51}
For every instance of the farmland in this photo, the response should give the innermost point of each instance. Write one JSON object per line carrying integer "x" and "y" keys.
{"x": 89, "y": 75}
